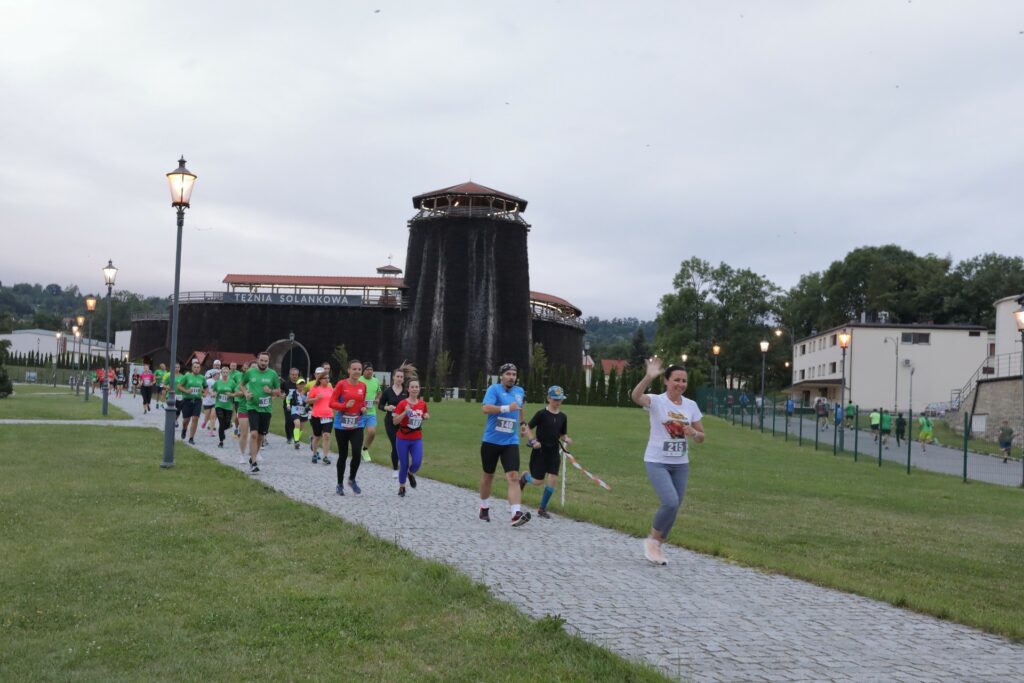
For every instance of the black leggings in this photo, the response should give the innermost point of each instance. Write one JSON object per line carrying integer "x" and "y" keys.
{"x": 391, "y": 429}
{"x": 147, "y": 394}
{"x": 223, "y": 422}
{"x": 344, "y": 437}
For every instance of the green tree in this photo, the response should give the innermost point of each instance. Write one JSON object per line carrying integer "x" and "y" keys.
{"x": 612, "y": 391}
{"x": 975, "y": 283}
{"x": 340, "y": 355}
{"x": 639, "y": 350}
{"x": 6, "y": 386}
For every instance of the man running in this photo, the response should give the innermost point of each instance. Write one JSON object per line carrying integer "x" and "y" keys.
{"x": 259, "y": 384}
{"x": 370, "y": 418}
{"x": 161, "y": 375}
{"x": 224, "y": 391}
{"x": 210, "y": 400}
{"x": 288, "y": 389}
{"x": 552, "y": 427}
{"x": 191, "y": 389}
{"x": 235, "y": 375}
{"x": 503, "y": 405}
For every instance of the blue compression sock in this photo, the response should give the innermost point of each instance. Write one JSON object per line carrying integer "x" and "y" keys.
{"x": 546, "y": 497}
{"x": 527, "y": 478}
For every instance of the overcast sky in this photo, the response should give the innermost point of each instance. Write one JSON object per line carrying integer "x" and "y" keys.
{"x": 774, "y": 136}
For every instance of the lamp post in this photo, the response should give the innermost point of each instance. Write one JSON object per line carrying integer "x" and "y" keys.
{"x": 896, "y": 386}
{"x": 109, "y": 275}
{"x": 844, "y": 343}
{"x": 1019, "y": 319}
{"x": 90, "y": 307}
{"x": 81, "y": 366}
{"x": 715, "y": 349}
{"x": 181, "y": 181}
{"x": 684, "y": 357}
{"x": 764, "y": 357}
{"x": 74, "y": 356}
{"x": 55, "y": 354}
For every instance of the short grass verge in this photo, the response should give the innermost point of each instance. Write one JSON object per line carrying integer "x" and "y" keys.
{"x": 44, "y": 402}
{"x": 114, "y": 569}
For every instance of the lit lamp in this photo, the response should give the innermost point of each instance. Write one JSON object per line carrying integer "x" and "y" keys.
{"x": 109, "y": 275}
{"x": 715, "y": 350}
{"x": 78, "y": 354}
{"x": 1018, "y": 317}
{"x": 844, "y": 343}
{"x": 684, "y": 357}
{"x": 181, "y": 181}
{"x": 764, "y": 356}
{"x": 90, "y": 307}
{"x": 58, "y": 335}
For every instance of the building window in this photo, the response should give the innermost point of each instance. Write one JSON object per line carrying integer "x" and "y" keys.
{"x": 974, "y": 333}
{"x": 802, "y": 374}
{"x": 832, "y": 368}
{"x": 916, "y": 338}
{"x": 833, "y": 340}
{"x": 803, "y": 349}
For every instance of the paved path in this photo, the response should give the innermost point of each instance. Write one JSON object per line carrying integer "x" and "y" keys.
{"x": 699, "y": 618}
{"x": 942, "y": 459}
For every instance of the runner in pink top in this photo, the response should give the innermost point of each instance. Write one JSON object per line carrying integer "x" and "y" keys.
{"x": 146, "y": 381}
{"x": 321, "y": 416}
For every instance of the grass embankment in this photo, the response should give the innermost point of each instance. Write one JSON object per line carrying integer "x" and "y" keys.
{"x": 44, "y": 402}
{"x": 926, "y": 541}
{"x": 114, "y": 569}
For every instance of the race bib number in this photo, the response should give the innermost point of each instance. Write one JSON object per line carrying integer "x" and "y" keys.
{"x": 195, "y": 391}
{"x": 349, "y": 421}
{"x": 222, "y": 398}
{"x": 264, "y": 402}
{"x": 415, "y": 421}
{"x": 674, "y": 447}
{"x": 326, "y": 420}
{"x": 505, "y": 425}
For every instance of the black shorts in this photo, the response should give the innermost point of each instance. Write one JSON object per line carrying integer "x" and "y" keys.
{"x": 491, "y": 453}
{"x": 321, "y": 428}
{"x": 887, "y": 432}
{"x": 259, "y": 422}
{"x": 190, "y": 409}
{"x": 544, "y": 460}
{"x": 874, "y": 428}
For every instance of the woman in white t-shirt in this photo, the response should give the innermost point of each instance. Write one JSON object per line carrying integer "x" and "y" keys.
{"x": 675, "y": 421}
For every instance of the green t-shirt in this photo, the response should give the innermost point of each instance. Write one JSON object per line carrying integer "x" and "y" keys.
{"x": 925, "y": 422}
{"x": 886, "y": 420}
{"x": 1005, "y": 435}
{"x": 261, "y": 384}
{"x": 875, "y": 418}
{"x": 235, "y": 376}
{"x": 161, "y": 377}
{"x": 191, "y": 386}
{"x": 222, "y": 390}
{"x": 851, "y": 410}
{"x": 372, "y": 390}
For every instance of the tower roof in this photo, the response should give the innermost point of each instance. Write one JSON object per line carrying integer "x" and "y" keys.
{"x": 471, "y": 189}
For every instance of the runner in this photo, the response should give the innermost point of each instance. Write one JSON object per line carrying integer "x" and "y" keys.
{"x": 177, "y": 402}
{"x": 901, "y": 428}
{"x": 242, "y": 413}
{"x": 288, "y": 388}
{"x": 851, "y": 414}
{"x": 235, "y": 375}
{"x": 146, "y": 381}
{"x": 408, "y": 417}
{"x": 924, "y": 435}
{"x": 299, "y": 409}
{"x": 191, "y": 389}
{"x": 1005, "y": 440}
{"x": 161, "y": 375}
{"x": 323, "y": 417}
{"x": 503, "y": 405}
{"x": 552, "y": 427}
{"x": 674, "y": 419}
{"x": 121, "y": 382}
{"x": 389, "y": 400}
{"x": 224, "y": 391}
{"x": 210, "y": 399}
{"x": 259, "y": 384}
{"x": 370, "y": 417}
{"x": 875, "y": 417}
{"x": 885, "y": 426}
{"x": 349, "y": 401}
{"x": 135, "y": 384}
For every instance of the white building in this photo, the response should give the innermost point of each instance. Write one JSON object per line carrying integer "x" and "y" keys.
{"x": 46, "y": 342}
{"x": 886, "y": 363}
{"x": 1007, "y": 338}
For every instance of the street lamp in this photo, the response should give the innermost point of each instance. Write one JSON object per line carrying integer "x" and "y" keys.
{"x": 764, "y": 356}
{"x": 181, "y": 182}
{"x": 90, "y": 306}
{"x": 684, "y": 357}
{"x": 58, "y": 335}
{"x": 715, "y": 349}
{"x": 844, "y": 343}
{"x": 80, "y": 319}
{"x": 896, "y": 387}
{"x": 1019, "y": 319}
{"x": 109, "y": 275}
{"x": 78, "y": 356}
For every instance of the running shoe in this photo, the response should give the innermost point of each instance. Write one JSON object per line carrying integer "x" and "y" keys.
{"x": 297, "y": 445}
{"x": 394, "y": 474}
{"x": 541, "y": 512}
{"x": 366, "y": 456}
{"x": 183, "y": 433}
{"x": 354, "y": 486}
{"x": 253, "y": 468}
{"x": 220, "y": 444}
{"x": 340, "y": 490}
{"x": 316, "y": 458}
{"x": 326, "y": 460}
{"x": 522, "y": 482}
{"x": 401, "y": 492}
{"x": 652, "y": 552}
{"x": 412, "y": 480}
{"x": 242, "y": 460}
{"x": 485, "y": 514}
{"x": 191, "y": 441}
{"x": 236, "y": 431}
{"x": 520, "y": 518}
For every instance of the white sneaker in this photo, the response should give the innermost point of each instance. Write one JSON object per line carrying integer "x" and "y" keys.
{"x": 653, "y": 552}
{"x": 394, "y": 474}
{"x": 661, "y": 555}
{"x": 242, "y": 460}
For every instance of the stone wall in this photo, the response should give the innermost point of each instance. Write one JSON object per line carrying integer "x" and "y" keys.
{"x": 997, "y": 400}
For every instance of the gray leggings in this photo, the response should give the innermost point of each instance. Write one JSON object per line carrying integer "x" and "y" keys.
{"x": 669, "y": 482}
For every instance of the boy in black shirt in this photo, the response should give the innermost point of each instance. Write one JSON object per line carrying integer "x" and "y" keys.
{"x": 551, "y": 425}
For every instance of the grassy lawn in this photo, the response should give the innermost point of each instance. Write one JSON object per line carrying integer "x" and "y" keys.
{"x": 44, "y": 402}
{"x": 925, "y": 541}
{"x": 114, "y": 569}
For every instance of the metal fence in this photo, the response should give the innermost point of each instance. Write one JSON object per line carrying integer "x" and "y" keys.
{"x": 962, "y": 456}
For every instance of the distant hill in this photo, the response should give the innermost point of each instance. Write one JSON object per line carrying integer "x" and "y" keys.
{"x": 49, "y": 307}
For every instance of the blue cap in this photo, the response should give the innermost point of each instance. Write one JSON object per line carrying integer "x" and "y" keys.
{"x": 556, "y": 392}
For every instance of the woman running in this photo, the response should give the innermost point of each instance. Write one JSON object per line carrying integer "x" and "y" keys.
{"x": 224, "y": 390}
{"x": 193, "y": 388}
{"x": 323, "y": 417}
{"x": 242, "y": 412}
{"x": 298, "y": 409}
{"x": 408, "y": 418}
{"x": 674, "y": 420}
{"x": 389, "y": 400}
{"x": 146, "y": 381}
{"x": 349, "y": 402}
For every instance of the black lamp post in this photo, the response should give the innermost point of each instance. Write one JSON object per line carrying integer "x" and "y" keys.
{"x": 844, "y": 343}
{"x": 684, "y": 357}
{"x": 58, "y": 335}
{"x": 764, "y": 356}
{"x": 1019, "y": 319}
{"x": 181, "y": 181}
{"x": 81, "y": 365}
{"x": 715, "y": 349}
{"x": 77, "y": 331}
{"x": 90, "y": 307}
{"x": 109, "y": 275}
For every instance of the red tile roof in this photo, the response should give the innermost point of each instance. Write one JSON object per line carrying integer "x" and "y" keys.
{"x": 469, "y": 188}
{"x": 619, "y": 365}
